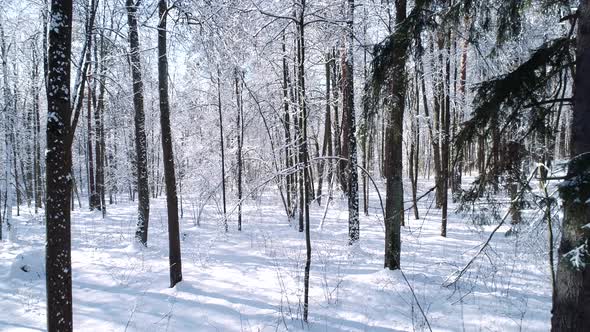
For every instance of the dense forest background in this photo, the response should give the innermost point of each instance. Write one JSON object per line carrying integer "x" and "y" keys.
{"x": 466, "y": 117}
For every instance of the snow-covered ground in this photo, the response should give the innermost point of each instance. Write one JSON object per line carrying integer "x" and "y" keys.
{"x": 252, "y": 280}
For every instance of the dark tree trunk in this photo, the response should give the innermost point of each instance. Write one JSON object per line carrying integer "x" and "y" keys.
{"x": 439, "y": 109}
{"x": 14, "y": 147}
{"x": 58, "y": 259}
{"x": 239, "y": 136}
{"x": 433, "y": 130}
{"x": 350, "y": 132}
{"x": 305, "y": 178}
{"x": 415, "y": 150}
{"x": 299, "y": 139}
{"x": 495, "y": 150}
{"x": 143, "y": 189}
{"x": 37, "y": 182}
{"x": 337, "y": 128}
{"x": 93, "y": 197}
{"x": 367, "y": 138}
{"x": 512, "y": 161}
{"x": 459, "y": 155}
{"x": 571, "y": 299}
{"x": 344, "y": 129}
{"x": 168, "y": 155}
{"x": 394, "y": 207}
{"x": 99, "y": 125}
{"x": 222, "y": 144}
{"x": 446, "y": 133}
{"x": 481, "y": 155}
{"x": 287, "y": 127}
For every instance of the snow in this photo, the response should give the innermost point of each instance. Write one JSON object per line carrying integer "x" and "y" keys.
{"x": 578, "y": 256}
{"x": 252, "y": 280}
{"x": 28, "y": 266}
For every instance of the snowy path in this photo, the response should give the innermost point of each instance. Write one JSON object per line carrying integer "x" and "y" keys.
{"x": 252, "y": 281}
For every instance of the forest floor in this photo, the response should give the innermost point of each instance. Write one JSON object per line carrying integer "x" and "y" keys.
{"x": 253, "y": 280}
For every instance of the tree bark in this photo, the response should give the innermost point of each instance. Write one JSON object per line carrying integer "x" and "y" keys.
{"x": 446, "y": 132}
{"x": 221, "y": 142}
{"x": 167, "y": 151}
{"x": 58, "y": 259}
{"x": 239, "y": 136}
{"x": 337, "y": 128}
{"x": 571, "y": 299}
{"x": 93, "y": 197}
{"x": 459, "y": 162}
{"x": 415, "y": 150}
{"x": 350, "y": 132}
{"x": 36, "y": 135}
{"x": 327, "y": 143}
{"x": 287, "y": 127}
{"x": 303, "y": 154}
{"x": 394, "y": 207}
{"x": 8, "y": 122}
{"x": 99, "y": 125}
{"x": 143, "y": 190}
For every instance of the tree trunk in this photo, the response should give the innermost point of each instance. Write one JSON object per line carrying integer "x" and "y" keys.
{"x": 13, "y": 148}
{"x": 571, "y": 299}
{"x": 303, "y": 154}
{"x": 8, "y": 122}
{"x": 337, "y": 129}
{"x": 367, "y": 137}
{"x": 459, "y": 155}
{"x": 395, "y": 104}
{"x": 92, "y": 203}
{"x": 58, "y": 260}
{"x": 433, "y": 132}
{"x": 327, "y": 143}
{"x": 36, "y": 134}
{"x": 446, "y": 132}
{"x": 439, "y": 109}
{"x": 239, "y": 136}
{"x": 350, "y": 132}
{"x": 167, "y": 151}
{"x": 287, "y": 127}
{"x": 415, "y": 151}
{"x": 99, "y": 125}
{"x": 222, "y": 144}
{"x": 143, "y": 190}
{"x": 93, "y": 198}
